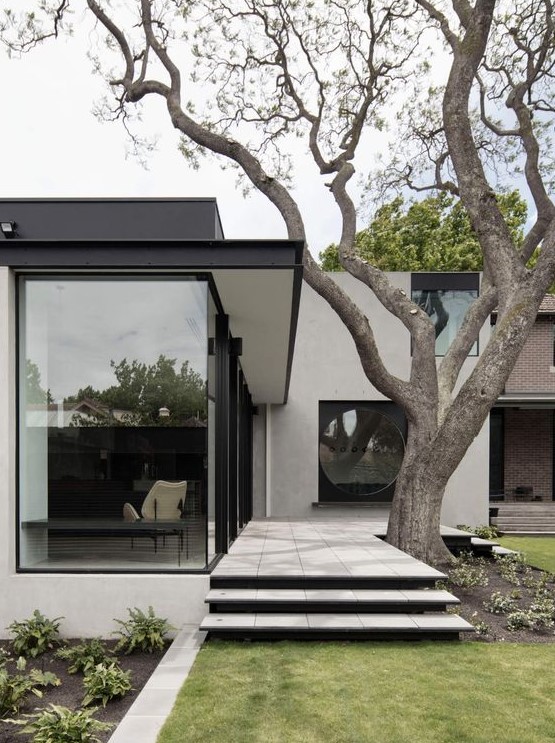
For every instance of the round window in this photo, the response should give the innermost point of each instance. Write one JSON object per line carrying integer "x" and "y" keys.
{"x": 361, "y": 451}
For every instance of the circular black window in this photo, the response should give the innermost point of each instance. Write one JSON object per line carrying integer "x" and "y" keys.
{"x": 361, "y": 451}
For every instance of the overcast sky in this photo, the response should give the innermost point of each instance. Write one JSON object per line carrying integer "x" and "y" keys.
{"x": 54, "y": 146}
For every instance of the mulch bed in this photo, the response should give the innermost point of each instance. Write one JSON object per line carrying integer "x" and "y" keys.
{"x": 472, "y": 608}
{"x": 70, "y": 692}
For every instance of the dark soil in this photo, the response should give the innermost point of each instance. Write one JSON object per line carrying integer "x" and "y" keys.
{"x": 472, "y": 607}
{"x": 70, "y": 692}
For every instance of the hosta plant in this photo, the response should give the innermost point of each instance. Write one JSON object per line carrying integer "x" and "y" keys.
{"x": 56, "y": 724}
{"x": 85, "y": 656}
{"x": 14, "y": 687}
{"x": 35, "y": 635}
{"x": 104, "y": 682}
{"x": 142, "y": 631}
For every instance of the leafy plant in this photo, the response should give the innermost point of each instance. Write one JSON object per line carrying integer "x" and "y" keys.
{"x": 469, "y": 571}
{"x": 482, "y": 628}
{"x": 104, "y": 682}
{"x": 35, "y": 635}
{"x": 499, "y": 603}
{"x": 144, "y": 632}
{"x": 85, "y": 656}
{"x": 536, "y": 617}
{"x": 15, "y": 687}
{"x": 511, "y": 567}
{"x": 484, "y": 531}
{"x": 56, "y": 724}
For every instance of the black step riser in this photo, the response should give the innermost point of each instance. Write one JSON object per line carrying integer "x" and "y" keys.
{"x": 324, "y": 608}
{"x": 320, "y": 583}
{"x": 323, "y": 635}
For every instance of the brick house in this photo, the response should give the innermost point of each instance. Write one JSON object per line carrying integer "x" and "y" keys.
{"x": 522, "y": 422}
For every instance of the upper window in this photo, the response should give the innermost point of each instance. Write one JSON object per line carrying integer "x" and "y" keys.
{"x": 446, "y": 299}
{"x": 113, "y": 402}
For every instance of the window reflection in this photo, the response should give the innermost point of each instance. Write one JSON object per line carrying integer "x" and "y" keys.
{"x": 113, "y": 398}
{"x": 361, "y": 451}
{"x": 447, "y": 310}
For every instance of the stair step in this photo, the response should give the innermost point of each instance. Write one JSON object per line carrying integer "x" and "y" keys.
{"x": 378, "y": 581}
{"x": 332, "y": 600}
{"x": 333, "y": 626}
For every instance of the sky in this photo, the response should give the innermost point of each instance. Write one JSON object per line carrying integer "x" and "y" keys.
{"x": 73, "y": 349}
{"x": 53, "y": 146}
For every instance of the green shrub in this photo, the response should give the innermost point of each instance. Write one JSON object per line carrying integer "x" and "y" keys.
{"x": 512, "y": 567}
{"x": 469, "y": 571}
{"x": 499, "y": 603}
{"x": 15, "y": 687}
{"x": 536, "y": 617}
{"x": 35, "y": 635}
{"x": 56, "y": 724}
{"x": 104, "y": 682}
{"x": 482, "y": 628}
{"x": 144, "y": 632}
{"x": 483, "y": 531}
{"x": 85, "y": 656}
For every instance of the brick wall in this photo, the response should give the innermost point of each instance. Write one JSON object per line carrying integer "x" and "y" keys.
{"x": 532, "y": 369}
{"x": 529, "y": 450}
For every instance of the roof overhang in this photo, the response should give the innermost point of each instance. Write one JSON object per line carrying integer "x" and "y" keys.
{"x": 526, "y": 400}
{"x": 258, "y": 284}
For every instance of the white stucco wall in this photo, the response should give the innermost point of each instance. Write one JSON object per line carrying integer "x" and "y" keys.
{"x": 326, "y": 367}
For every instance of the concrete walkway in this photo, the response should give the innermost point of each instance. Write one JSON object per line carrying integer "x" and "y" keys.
{"x": 149, "y": 711}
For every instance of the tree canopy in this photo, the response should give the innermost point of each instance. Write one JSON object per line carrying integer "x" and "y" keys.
{"x": 143, "y": 389}
{"x": 434, "y": 234}
{"x": 465, "y": 91}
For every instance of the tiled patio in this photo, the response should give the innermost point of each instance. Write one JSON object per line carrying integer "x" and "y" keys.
{"x": 318, "y": 549}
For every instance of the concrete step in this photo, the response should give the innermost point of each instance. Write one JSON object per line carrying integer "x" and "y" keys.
{"x": 526, "y": 532}
{"x": 335, "y": 626}
{"x": 329, "y": 601}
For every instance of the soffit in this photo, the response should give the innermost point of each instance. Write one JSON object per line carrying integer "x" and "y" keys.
{"x": 262, "y": 305}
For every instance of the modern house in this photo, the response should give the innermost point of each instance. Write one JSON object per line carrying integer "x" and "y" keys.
{"x": 138, "y": 345}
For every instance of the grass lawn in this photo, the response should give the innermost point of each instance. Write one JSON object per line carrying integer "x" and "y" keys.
{"x": 539, "y": 551}
{"x": 367, "y": 693}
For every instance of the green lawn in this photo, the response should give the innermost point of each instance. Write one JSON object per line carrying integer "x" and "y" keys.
{"x": 538, "y": 551}
{"x": 367, "y": 693}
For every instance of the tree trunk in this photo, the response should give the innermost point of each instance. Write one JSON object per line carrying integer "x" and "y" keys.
{"x": 414, "y": 521}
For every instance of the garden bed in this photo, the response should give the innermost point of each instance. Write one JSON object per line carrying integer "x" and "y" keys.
{"x": 70, "y": 693}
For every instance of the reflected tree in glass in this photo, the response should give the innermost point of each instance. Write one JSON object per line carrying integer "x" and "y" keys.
{"x": 361, "y": 451}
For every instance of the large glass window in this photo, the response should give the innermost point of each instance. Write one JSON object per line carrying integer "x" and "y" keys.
{"x": 113, "y": 415}
{"x": 445, "y": 297}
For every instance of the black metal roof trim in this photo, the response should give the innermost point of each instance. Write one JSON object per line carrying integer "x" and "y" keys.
{"x": 193, "y": 254}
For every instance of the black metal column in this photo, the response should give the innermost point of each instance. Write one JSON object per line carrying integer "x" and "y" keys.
{"x": 243, "y": 450}
{"x": 222, "y": 433}
{"x": 233, "y": 375}
{"x": 249, "y": 468}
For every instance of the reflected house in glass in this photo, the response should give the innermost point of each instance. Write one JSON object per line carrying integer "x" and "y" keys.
{"x": 139, "y": 346}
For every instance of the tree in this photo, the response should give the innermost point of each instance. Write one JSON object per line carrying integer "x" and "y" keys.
{"x": 434, "y": 234}
{"x": 334, "y": 72}
{"x": 35, "y": 392}
{"x": 143, "y": 389}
